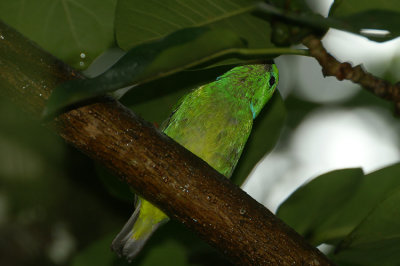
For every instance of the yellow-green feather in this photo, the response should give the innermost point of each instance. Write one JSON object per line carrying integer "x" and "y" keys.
{"x": 213, "y": 122}
{"x": 218, "y": 133}
{"x": 149, "y": 216}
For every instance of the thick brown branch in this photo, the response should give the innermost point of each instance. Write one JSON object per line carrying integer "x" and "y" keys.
{"x": 332, "y": 67}
{"x": 175, "y": 180}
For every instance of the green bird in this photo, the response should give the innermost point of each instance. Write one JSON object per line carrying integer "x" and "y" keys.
{"x": 213, "y": 122}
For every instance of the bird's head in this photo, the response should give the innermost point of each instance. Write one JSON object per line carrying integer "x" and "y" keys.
{"x": 253, "y": 83}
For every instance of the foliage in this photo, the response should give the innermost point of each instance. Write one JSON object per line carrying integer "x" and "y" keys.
{"x": 64, "y": 28}
{"x": 356, "y": 213}
{"x": 171, "y": 47}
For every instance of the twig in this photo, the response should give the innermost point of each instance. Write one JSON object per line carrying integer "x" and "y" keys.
{"x": 332, "y": 67}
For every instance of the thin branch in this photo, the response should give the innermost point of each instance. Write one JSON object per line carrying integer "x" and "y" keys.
{"x": 332, "y": 67}
{"x": 159, "y": 169}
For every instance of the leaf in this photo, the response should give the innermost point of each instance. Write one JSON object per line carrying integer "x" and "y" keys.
{"x": 380, "y": 15}
{"x": 375, "y": 19}
{"x": 349, "y": 7}
{"x": 113, "y": 184}
{"x": 146, "y": 62}
{"x": 171, "y": 245}
{"x": 374, "y": 188}
{"x": 171, "y": 252}
{"x": 74, "y": 31}
{"x": 176, "y": 241}
{"x": 97, "y": 253}
{"x": 157, "y": 98}
{"x": 311, "y": 204}
{"x": 40, "y": 142}
{"x": 264, "y": 135}
{"x": 376, "y": 240}
{"x": 361, "y": 198}
{"x": 141, "y": 21}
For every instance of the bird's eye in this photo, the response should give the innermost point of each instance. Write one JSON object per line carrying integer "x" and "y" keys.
{"x": 271, "y": 81}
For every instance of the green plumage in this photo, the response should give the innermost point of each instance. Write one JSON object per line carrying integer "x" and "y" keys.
{"x": 213, "y": 122}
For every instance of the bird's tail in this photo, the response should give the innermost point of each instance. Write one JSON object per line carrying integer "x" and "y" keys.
{"x": 144, "y": 221}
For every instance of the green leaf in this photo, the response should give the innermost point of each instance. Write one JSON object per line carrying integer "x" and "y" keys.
{"x": 374, "y": 188}
{"x": 180, "y": 50}
{"x": 313, "y": 203}
{"x": 98, "y": 253}
{"x": 360, "y": 199}
{"x": 376, "y": 240}
{"x": 381, "y": 15}
{"x": 264, "y": 135}
{"x": 356, "y": 22}
{"x": 349, "y": 7}
{"x": 157, "y": 98}
{"x": 171, "y": 252}
{"x": 40, "y": 142}
{"x": 167, "y": 250}
{"x": 74, "y": 31}
{"x": 293, "y": 5}
{"x": 140, "y": 21}
{"x": 114, "y": 185}
{"x": 174, "y": 240}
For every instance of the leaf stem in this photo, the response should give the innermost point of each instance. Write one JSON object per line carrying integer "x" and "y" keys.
{"x": 270, "y": 51}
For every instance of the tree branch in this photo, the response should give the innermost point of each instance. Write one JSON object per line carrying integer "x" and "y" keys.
{"x": 332, "y": 67}
{"x": 159, "y": 169}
